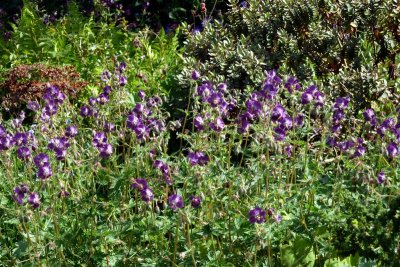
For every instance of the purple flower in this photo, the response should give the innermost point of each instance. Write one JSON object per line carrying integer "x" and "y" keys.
{"x": 107, "y": 90}
{"x": 215, "y": 99}
{"x": 244, "y": 122}
{"x": 158, "y": 164}
{"x": 105, "y": 150}
{"x": 195, "y": 75}
{"x": 122, "y": 81}
{"x": 59, "y": 143}
{"x": 63, "y": 193}
{"x": 142, "y": 131}
{"x": 163, "y": 167}
{"x": 298, "y": 120}
{"x": 6, "y": 142}
{"x": 338, "y": 115}
{"x": 59, "y": 98}
{"x": 139, "y": 184}
{"x": 139, "y": 108}
{"x": 257, "y": 215}
{"x": 272, "y": 78}
{"x": 147, "y": 194}
{"x": 17, "y": 123}
{"x": 175, "y": 202}
{"x": 254, "y": 107}
{"x": 204, "y": 91}
{"x": 243, "y": 4}
{"x": 319, "y": 99}
{"x": 277, "y": 113}
{"x": 71, "y": 131}
{"x": 336, "y": 128}
{"x": 45, "y": 117}
{"x": 105, "y": 76}
{"x": 20, "y": 139}
{"x": 141, "y": 95}
{"x": 369, "y": 115}
{"x": 34, "y": 200}
{"x": 279, "y": 134}
{"x": 381, "y": 178}
{"x": 109, "y": 127}
{"x": 197, "y": 158}
{"x": 198, "y": 122}
{"x": 60, "y": 153}
{"x": 360, "y": 151}
{"x": 277, "y": 218}
{"x": 41, "y": 160}
{"x": 44, "y": 172}
{"x": 392, "y": 150}
{"x": 195, "y": 201}
{"x": 222, "y": 87}
{"x": 122, "y": 67}
{"x": 99, "y": 138}
{"x": 269, "y": 91}
{"x": 331, "y": 142}
{"x": 292, "y": 84}
{"x": 306, "y": 98}
{"x": 85, "y": 111}
{"x": 92, "y": 102}
{"x": 23, "y": 153}
{"x": 3, "y": 131}
{"x": 388, "y": 123}
{"x": 19, "y": 193}
{"x": 103, "y": 98}
{"x": 218, "y": 125}
{"x": 50, "y": 93}
{"x": 133, "y": 121}
{"x": 288, "y": 150}
{"x": 286, "y": 123}
{"x": 341, "y": 103}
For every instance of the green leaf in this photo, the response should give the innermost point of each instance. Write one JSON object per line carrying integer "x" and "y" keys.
{"x": 300, "y": 253}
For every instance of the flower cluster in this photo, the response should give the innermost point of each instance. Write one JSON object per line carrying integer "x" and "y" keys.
{"x": 175, "y": 202}
{"x": 59, "y": 146}
{"x": 164, "y": 169}
{"x": 258, "y": 215}
{"x": 21, "y": 193}
{"x": 100, "y": 142}
{"x": 53, "y": 98}
{"x": 142, "y": 119}
{"x": 142, "y": 187}
{"x": 42, "y": 162}
{"x": 312, "y": 94}
{"x": 198, "y": 158}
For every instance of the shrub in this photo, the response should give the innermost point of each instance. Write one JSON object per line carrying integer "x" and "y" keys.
{"x": 347, "y": 48}
{"x": 26, "y": 83}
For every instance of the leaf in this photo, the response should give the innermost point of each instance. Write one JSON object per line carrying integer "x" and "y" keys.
{"x": 300, "y": 253}
{"x": 22, "y": 249}
{"x": 12, "y": 221}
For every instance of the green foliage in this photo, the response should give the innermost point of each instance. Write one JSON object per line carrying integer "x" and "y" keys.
{"x": 93, "y": 46}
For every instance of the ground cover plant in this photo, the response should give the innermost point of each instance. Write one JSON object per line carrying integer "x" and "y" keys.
{"x": 142, "y": 171}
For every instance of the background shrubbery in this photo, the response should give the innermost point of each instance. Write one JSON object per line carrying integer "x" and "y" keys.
{"x": 347, "y": 48}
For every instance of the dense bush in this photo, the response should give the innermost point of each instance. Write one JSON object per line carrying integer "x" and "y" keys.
{"x": 350, "y": 48}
